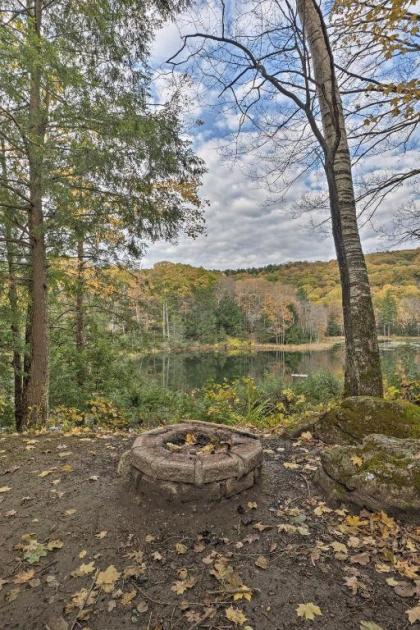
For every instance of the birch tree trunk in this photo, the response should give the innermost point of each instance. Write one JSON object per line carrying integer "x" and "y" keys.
{"x": 36, "y": 390}
{"x": 362, "y": 370}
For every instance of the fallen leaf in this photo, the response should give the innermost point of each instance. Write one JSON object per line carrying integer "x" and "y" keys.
{"x": 54, "y": 544}
{"x": 261, "y": 562}
{"x": 157, "y": 556}
{"x": 369, "y": 625}
{"x": 5, "y": 489}
{"x": 361, "y": 558}
{"x": 405, "y": 589}
{"x": 101, "y": 534}
{"x": 149, "y": 538}
{"x": 261, "y": 527}
{"x": 142, "y": 606}
{"x": 413, "y": 614}
{"x": 70, "y": 512}
{"x": 235, "y": 615}
{"x": 128, "y": 597}
{"x": 106, "y": 579}
{"x": 308, "y": 610}
{"x": 352, "y": 583}
{"x": 180, "y": 586}
{"x": 12, "y": 595}
{"x": 83, "y": 553}
{"x": 24, "y": 576}
{"x": 45, "y": 473}
{"x": 180, "y": 548}
{"x": 252, "y": 505}
{"x": 84, "y": 569}
{"x": 356, "y": 461}
{"x": 190, "y": 439}
{"x": 291, "y": 465}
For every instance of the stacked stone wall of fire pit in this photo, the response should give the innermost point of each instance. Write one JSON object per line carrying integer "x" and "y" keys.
{"x": 214, "y": 461}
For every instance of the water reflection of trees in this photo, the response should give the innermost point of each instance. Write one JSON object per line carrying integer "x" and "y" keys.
{"x": 191, "y": 371}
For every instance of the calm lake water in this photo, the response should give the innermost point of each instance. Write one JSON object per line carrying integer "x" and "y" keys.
{"x": 186, "y": 371}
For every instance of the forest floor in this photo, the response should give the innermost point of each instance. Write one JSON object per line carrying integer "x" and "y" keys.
{"x": 80, "y": 551}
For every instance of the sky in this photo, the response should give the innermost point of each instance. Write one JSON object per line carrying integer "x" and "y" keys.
{"x": 242, "y": 229}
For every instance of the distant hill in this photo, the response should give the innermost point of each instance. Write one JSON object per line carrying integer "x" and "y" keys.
{"x": 399, "y": 268}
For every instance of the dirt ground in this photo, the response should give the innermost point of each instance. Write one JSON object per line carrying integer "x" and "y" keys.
{"x": 80, "y": 551}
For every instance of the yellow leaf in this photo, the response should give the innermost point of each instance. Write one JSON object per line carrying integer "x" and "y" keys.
{"x": 24, "y": 576}
{"x": 45, "y": 473}
{"x": 84, "y": 569}
{"x": 291, "y": 465}
{"x": 308, "y": 611}
{"x": 67, "y": 468}
{"x": 101, "y": 534}
{"x": 54, "y": 544}
{"x": 261, "y": 562}
{"x": 235, "y": 615}
{"x": 128, "y": 597}
{"x": 356, "y": 460}
{"x": 5, "y": 489}
{"x": 106, "y": 579}
{"x": 180, "y": 548}
{"x": 190, "y": 439}
{"x": 82, "y": 554}
{"x": 413, "y": 614}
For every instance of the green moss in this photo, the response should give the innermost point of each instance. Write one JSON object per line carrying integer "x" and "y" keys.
{"x": 359, "y": 416}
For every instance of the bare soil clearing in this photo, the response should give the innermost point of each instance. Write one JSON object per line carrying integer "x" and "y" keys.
{"x": 81, "y": 551}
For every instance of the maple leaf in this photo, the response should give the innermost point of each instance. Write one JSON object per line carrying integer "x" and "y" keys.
{"x": 321, "y": 509}
{"x": 252, "y": 505}
{"x": 83, "y": 553}
{"x": 308, "y": 611}
{"x": 369, "y": 625}
{"x": 24, "y": 576}
{"x": 235, "y": 615}
{"x": 180, "y": 586}
{"x": 101, "y": 534}
{"x": 54, "y": 544}
{"x": 134, "y": 571}
{"x": 106, "y": 579}
{"x": 81, "y": 598}
{"x": 84, "y": 569}
{"x": 207, "y": 448}
{"x": 157, "y": 556}
{"x": 413, "y": 614}
{"x": 291, "y": 465}
{"x": 356, "y": 461}
{"x": 149, "y": 538}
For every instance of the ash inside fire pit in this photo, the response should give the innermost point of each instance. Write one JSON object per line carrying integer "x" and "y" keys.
{"x": 194, "y": 460}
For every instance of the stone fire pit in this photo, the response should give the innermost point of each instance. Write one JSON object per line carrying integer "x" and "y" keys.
{"x": 193, "y": 460}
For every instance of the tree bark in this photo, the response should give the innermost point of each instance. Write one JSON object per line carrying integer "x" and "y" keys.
{"x": 12, "y": 294}
{"x": 80, "y": 312}
{"x": 362, "y": 370}
{"x": 36, "y": 391}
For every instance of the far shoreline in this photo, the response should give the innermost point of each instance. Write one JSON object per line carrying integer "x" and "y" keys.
{"x": 249, "y": 346}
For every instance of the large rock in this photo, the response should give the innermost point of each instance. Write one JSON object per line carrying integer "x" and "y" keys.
{"x": 382, "y": 473}
{"x": 359, "y": 416}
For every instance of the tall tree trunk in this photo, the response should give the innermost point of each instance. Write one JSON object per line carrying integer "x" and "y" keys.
{"x": 12, "y": 294}
{"x": 362, "y": 371}
{"x": 14, "y": 325}
{"x": 80, "y": 312}
{"x": 36, "y": 393}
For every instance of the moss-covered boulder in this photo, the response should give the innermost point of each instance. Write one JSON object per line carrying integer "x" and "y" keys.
{"x": 359, "y": 416}
{"x": 382, "y": 473}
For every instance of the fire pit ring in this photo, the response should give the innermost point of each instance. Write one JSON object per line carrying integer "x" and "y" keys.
{"x": 193, "y": 460}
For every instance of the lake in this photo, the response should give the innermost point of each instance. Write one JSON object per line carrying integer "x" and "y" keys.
{"x": 186, "y": 371}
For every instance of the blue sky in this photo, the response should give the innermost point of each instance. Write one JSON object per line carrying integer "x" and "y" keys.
{"x": 241, "y": 228}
